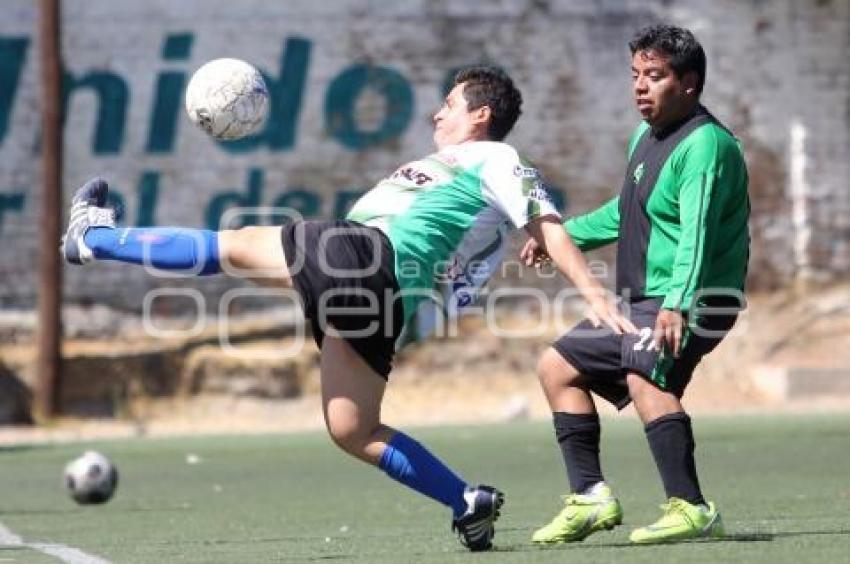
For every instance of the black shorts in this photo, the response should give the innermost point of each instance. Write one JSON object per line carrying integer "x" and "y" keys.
{"x": 604, "y": 358}
{"x": 344, "y": 273}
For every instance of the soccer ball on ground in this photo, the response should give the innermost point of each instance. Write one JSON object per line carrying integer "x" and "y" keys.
{"x": 91, "y": 478}
{"x": 228, "y": 99}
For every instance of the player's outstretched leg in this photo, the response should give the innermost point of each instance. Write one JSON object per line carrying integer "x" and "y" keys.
{"x": 92, "y": 235}
{"x": 351, "y": 399}
{"x": 254, "y": 252}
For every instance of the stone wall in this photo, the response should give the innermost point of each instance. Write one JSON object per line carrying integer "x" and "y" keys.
{"x": 354, "y": 84}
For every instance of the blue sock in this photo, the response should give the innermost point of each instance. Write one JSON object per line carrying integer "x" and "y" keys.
{"x": 409, "y": 463}
{"x": 166, "y": 248}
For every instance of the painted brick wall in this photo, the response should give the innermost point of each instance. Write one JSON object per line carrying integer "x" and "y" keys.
{"x": 778, "y": 76}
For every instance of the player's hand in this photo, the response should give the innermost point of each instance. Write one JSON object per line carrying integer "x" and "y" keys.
{"x": 668, "y": 331}
{"x": 603, "y": 310}
{"x": 532, "y": 254}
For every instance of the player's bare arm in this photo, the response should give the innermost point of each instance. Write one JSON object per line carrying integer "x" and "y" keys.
{"x": 548, "y": 232}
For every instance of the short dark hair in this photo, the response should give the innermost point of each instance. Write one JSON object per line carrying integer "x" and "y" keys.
{"x": 490, "y": 86}
{"x": 681, "y": 47}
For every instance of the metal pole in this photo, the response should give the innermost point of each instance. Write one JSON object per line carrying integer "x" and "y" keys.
{"x": 50, "y": 273}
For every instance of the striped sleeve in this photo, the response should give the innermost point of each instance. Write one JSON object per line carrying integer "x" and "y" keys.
{"x": 701, "y": 191}
{"x": 597, "y": 228}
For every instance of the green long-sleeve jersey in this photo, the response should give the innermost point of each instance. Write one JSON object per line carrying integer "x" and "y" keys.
{"x": 681, "y": 219}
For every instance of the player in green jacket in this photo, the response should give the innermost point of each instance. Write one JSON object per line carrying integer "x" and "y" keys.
{"x": 680, "y": 224}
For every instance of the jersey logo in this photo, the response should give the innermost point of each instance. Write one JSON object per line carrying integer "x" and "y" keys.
{"x": 540, "y": 194}
{"x": 526, "y": 172}
{"x": 411, "y": 174}
{"x": 638, "y": 173}
{"x": 463, "y": 294}
{"x": 461, "y": 286}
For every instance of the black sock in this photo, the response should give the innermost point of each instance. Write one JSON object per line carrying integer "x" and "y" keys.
{"x": 671, "y": 440}
{"x": 578, "y": 436}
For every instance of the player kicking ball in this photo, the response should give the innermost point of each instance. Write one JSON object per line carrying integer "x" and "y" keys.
{"x": 362, "y": 280}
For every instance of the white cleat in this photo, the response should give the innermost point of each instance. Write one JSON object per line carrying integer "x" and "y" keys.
{"x": 87, "y": 211}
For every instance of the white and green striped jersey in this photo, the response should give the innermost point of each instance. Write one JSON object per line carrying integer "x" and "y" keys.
{"x": 447, "y": 216}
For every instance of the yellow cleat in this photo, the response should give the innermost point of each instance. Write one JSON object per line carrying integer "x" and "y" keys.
{"x": 583, "y": 515}
{"x": 681, "y": 521}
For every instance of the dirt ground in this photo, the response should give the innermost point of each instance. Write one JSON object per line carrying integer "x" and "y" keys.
{"x": 443, "y": 400}
{"x": 480, "y": 378}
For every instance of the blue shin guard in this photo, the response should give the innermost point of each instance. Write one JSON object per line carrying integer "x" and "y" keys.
{"x": 409, "y": 463}
{"x": 190, "y": 251}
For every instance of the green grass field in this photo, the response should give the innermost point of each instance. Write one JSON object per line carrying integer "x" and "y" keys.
{"x": 782, "y": 484}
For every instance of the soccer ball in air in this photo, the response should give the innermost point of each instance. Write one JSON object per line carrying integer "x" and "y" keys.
{"x": 91, "y": 478}
{"x": 228, "y": 99}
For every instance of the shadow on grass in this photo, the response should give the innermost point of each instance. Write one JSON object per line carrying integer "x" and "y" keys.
{"x": 24, "y": 447}
{"x": 807, "y": 533}
{"x": 734, "y": 537}
{"x": 70, "y": 508}
{"x": 57, "y": 511}
{"x": 756, "y": 537}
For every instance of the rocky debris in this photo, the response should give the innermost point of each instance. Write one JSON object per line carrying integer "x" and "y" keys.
{"x": 15, "y": 399}
{"x": 808, "y": 334}
{"x": 254, "y": 371}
